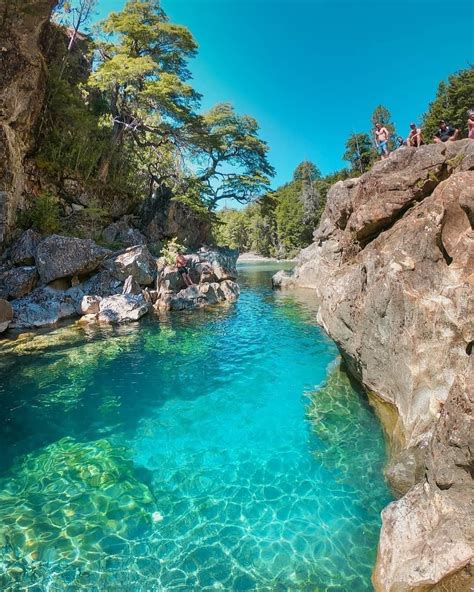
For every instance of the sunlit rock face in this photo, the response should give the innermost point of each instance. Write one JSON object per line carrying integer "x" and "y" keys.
{"x": 391, "y": 265}
{"x": 22, "y": 87}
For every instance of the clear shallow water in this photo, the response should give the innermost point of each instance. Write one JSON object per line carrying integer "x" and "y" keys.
{"x": 217, "y": 450}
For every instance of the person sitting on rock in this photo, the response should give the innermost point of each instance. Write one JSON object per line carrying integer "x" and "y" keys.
{"x": 446, "y": 133}
{"x": 381, "y": 138}
{"x": 400, "y": 142}
{"x": 470, "y": 124}
{"x": 414, "y": 137}
{"x": 181, "y": 264}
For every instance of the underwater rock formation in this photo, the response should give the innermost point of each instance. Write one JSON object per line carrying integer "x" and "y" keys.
{"x": 391, "y": 266}
{"x": 93, "y": 501}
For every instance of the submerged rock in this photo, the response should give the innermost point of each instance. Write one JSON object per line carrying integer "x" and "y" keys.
{"x": 63, "y": 256}
{"x": 391, "y": 265}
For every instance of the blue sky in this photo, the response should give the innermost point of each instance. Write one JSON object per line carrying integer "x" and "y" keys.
{"x": 312, "y": 71}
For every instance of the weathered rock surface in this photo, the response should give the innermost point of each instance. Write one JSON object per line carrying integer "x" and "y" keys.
{"x": 210, "y": 270}
{"x": 44, "y": 306}
{"x": 22, "y": 85}
{"x": 135, "y": 261}
{"x": 23, "y": 250}
{"x": 90, "y": 305}
{"x": 131, "y": 286}
{"x": 63, "y": 256}
{"x": 123, "y": 233}
{"x": 18, "y": 282}
{"x": 392, "y": 269}
{"x": 6, "y": 315}
{"x": 122, "y": 308}
{"x": 162, "y": 218}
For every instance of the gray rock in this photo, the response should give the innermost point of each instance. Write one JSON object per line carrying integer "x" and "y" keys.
{"x": 122, "y": 308}
{"x": 131, "y": 286}
{"x": 43, "y": 307}
{"x": 230, "y": 290}
{"x": 123, "y": 233}
{"x": 90, "y": 304}
{"x": 62, "y": 256}
{"x": 102, "y": 284}
{"x": 23, "y": 250}
{"x": 135, "y": 261}
{"x": 6, "y": 315}
{"x": 282, "y": 279}
{"x": 18, "y": 282}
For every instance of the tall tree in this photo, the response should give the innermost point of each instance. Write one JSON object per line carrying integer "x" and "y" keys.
{"x": 306, "y": 175}
{"x": 359, "y": 152}
{"x": 306, "y": 171}
{"x": 232, "y": 158}
{"x": 143, "y": 70}
{"x": 453, "y": 99}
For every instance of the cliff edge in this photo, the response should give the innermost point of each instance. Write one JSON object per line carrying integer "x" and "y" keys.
{"x": 392, "y": 266}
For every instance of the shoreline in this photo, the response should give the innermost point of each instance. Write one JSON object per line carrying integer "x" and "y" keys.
{"x": 256, "y": 258}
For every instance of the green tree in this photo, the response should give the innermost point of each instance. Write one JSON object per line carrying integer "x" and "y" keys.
{"x": 453, "y": 99}
{"x": 359, "y": 152}
{"x": 143, "y": 72}
{"x": 232, "y": 158}
{"x": 306, "y": 171}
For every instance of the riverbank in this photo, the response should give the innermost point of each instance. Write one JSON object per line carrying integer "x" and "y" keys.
{"x": 390, "y": 267}
{"x": 256, "y": 258}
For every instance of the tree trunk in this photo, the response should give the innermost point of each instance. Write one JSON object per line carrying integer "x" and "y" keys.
{"x": 106, "y": 159}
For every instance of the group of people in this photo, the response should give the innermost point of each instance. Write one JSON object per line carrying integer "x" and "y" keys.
{"x": 445, "y": 133}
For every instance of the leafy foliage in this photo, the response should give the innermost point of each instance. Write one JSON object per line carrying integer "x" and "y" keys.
{"x": 43, "y": 214}
{"x": 359, "y": 153}
{"x": 281, "y": 222}
{"x": 453, "y": 99}
{"x": 171, "y": 249}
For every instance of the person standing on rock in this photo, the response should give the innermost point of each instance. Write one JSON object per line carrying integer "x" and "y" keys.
{"x": 446, "y": 133}
{"x": 381, "y": 138}
{"x": 181, "y": 264}
{"x": 470, "y": 124}
{"x": 414, "y": 137}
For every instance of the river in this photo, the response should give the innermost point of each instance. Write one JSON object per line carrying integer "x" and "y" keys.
{"x": 222, "y": 449}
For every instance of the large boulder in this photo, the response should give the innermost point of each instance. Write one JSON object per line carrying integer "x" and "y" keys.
{"x": 136, "y": 261}
{"x": 23, "y": 250}
{"x": 6, "y": 315}
{"x": 45, "y": 306}
{"x": 122, "y": 308}
{"x": 102, "y": 284}
{"x": 63, "y": 256}
{"x": 391, "y": 267}
{"x": 18, "y": 282}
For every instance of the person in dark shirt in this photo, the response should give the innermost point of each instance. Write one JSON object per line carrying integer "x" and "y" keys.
{"x": 446, "y": 133}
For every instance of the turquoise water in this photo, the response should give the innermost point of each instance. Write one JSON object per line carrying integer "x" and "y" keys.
{"x": 217, "y": 450}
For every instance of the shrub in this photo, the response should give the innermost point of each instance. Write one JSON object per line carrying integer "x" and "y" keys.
{"x": 43, "y": 214}
{"x": 170, "y": 250}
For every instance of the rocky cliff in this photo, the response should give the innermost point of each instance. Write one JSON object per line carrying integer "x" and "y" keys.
{"x": 22, "y": 85}
{"x": 392, "y": 269}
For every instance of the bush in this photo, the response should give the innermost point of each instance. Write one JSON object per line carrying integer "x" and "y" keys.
{"x": 170, "y": 250}
{"x": 43, "y": 215}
